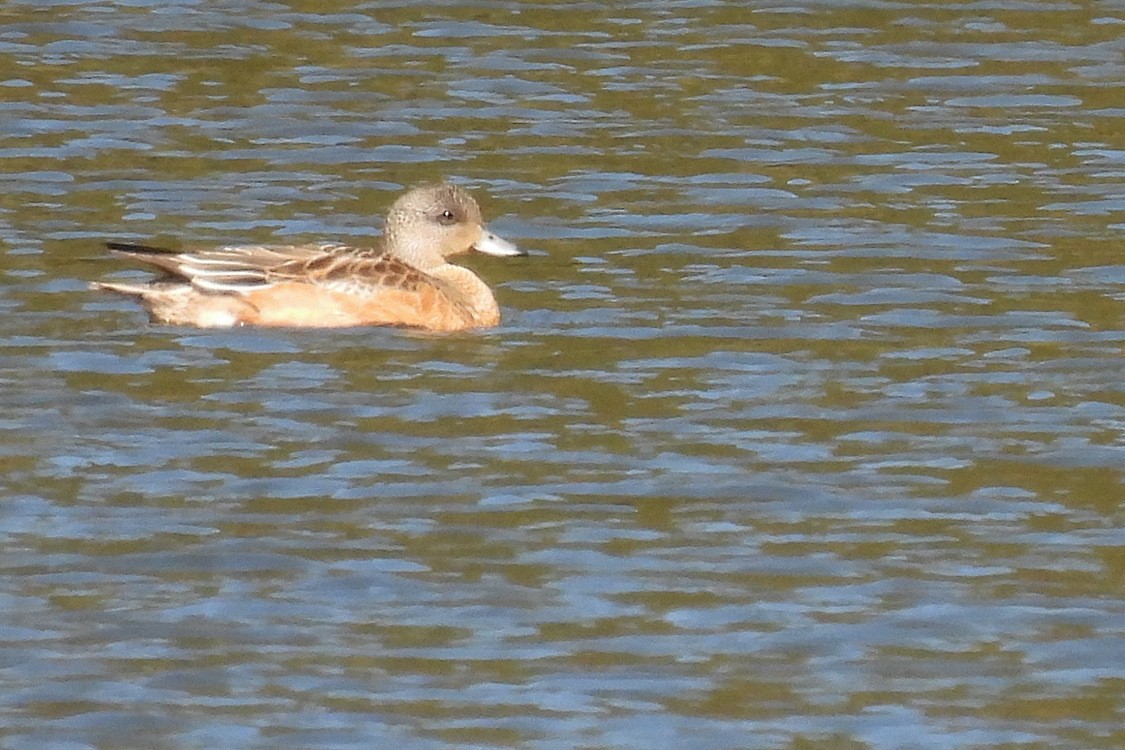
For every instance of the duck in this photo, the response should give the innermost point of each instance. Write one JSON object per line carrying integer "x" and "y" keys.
{"x": 405, "y": 280}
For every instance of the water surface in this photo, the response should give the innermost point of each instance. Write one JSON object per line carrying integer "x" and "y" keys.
{"x": 804, "y": 427}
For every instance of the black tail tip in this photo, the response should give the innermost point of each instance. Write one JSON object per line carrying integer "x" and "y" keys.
{"x": 129, "y": 247}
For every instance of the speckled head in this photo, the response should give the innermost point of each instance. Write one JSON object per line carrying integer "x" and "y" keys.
{"x": 432, "y": 222}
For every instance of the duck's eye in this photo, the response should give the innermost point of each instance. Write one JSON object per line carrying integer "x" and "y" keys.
{"x": 447, "y": 217}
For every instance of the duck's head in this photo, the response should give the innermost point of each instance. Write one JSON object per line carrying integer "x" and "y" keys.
{"x": 432, "y": 222}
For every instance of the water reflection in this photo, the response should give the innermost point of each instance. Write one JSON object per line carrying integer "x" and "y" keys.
{"x": 804, "y": 425}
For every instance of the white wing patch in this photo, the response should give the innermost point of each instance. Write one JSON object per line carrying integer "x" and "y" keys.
{"x": 238, "y": 268}
{"x": 246, "y": 268}
{"x": 222, "y": 274}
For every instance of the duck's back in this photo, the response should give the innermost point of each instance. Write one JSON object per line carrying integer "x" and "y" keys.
{"x": 328, "y": 286}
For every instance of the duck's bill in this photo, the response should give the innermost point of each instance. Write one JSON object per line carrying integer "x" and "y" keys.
{"x": 490, "y": 244}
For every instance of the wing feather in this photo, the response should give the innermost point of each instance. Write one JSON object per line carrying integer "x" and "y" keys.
{"x": 241, "y": 269}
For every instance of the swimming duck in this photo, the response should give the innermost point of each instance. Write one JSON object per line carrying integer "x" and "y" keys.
{"x": 405, "y": 281}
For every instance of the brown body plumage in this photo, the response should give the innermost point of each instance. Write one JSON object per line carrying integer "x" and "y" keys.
{"x": 406, "y": 281}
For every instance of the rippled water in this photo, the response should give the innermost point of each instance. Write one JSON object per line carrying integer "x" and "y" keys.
{"x": 805, "y": 426}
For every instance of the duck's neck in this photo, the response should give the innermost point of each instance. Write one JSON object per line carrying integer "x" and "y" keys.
{"x": 470, "y": 291}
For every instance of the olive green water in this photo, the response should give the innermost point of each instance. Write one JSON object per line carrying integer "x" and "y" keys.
{"x": 805, "y": 426}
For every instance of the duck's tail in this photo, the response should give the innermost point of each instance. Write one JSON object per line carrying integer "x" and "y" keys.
{"x": 135, "y": 249}
{"x": 127, "y": 290}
